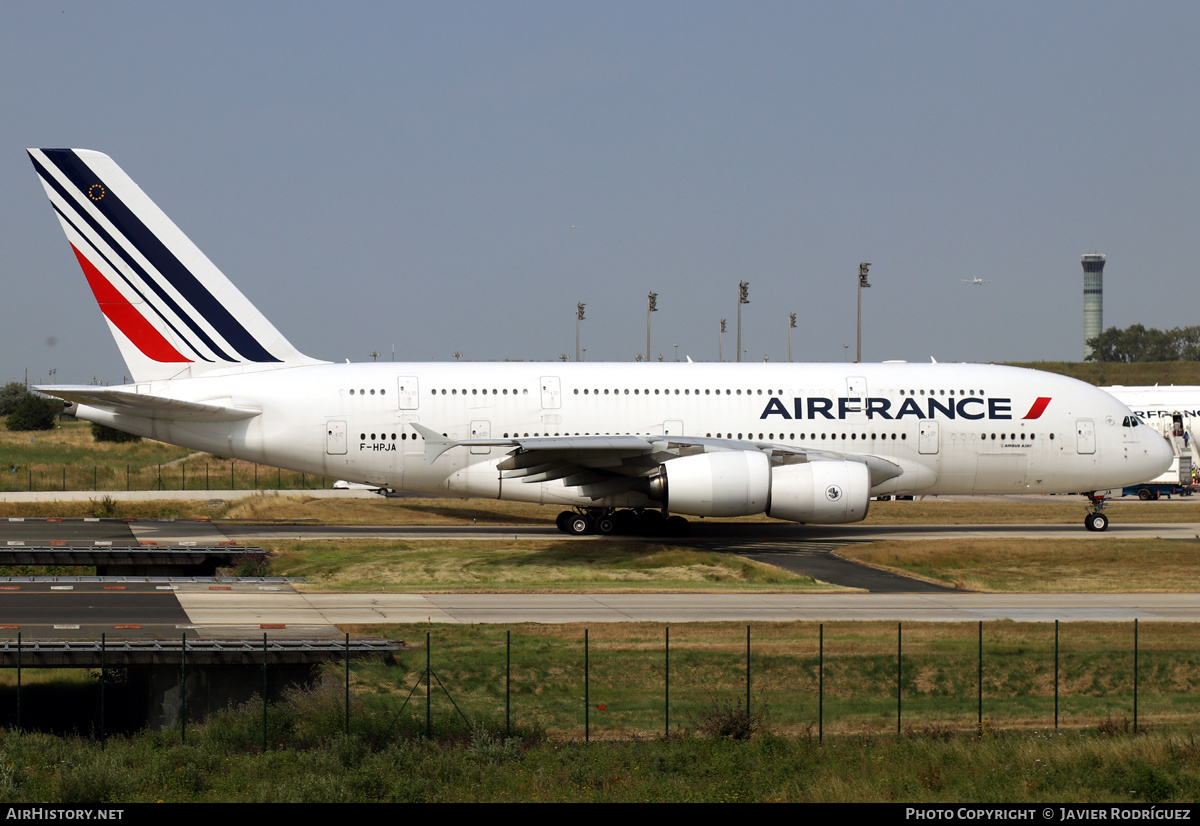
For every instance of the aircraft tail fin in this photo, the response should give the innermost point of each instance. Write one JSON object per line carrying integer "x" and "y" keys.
{"x": 171, "y": 311}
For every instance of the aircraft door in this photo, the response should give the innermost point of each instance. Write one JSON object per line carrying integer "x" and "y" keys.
{"x": 551, "y": 393}
{"x": 335, "y": 438}
{"x": 1085, "y": 436}
{"x": 673, "y": 427}
{"x": 481, "y": 429}
{"x": 409, "y": 397}
{"x": 856, "y": 411}
{"x": 927, "y": 441}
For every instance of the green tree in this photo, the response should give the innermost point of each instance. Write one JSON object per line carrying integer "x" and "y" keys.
{"x": 33, "y": 413}
{"x": 10, "y": 395}
{"x": 103, "y": 433}
{"x": 1138, "y": 343}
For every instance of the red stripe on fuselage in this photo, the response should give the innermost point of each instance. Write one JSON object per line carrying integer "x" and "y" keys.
{"x": 119, "y": 311}
{"x": 1039, "y": 407}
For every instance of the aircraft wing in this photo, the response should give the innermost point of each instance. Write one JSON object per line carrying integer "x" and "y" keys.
{"x": 146, "y": 406}
{"x": 606, "y": 465}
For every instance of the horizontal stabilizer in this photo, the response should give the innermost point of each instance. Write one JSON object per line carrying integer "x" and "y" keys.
{"x": 144, "y": 406}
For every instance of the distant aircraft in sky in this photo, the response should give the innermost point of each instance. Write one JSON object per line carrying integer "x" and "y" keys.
{"x": 977, "y": 282}
{"x": 621, "y": 446}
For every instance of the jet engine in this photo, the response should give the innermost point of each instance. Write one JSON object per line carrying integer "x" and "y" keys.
{"x": 824, "y": 493}
{"x": 743, "y": 482}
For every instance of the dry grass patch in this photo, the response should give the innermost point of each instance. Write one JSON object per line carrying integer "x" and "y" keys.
{"x": 523, "y": 566}
{"x": 1069, "y": 511}
{"x": 382, "y": 511}
{"x": 1090, "y": 565}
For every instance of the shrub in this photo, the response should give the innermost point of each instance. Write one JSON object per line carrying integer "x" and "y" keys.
{"x": 103, "y": 433}
{"x": 728, "y": 719}
{"x": 33, "y": 413}
{"x": 10, "y": 395}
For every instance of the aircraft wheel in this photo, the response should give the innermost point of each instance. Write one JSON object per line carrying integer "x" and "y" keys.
{"x": 677, "y": 526}
{"x": 1096, "y": 522}
{"x": 652, "y": 523}
{"x": 563, "y": 520}
{"x": 625, "y": 522}
{"x": 579, "y": 525}
{"x": 1144, "y": 495}
{"x": 606, "y": 525}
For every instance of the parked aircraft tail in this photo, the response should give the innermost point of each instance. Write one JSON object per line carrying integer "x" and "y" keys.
{"x": 171, "y": 311}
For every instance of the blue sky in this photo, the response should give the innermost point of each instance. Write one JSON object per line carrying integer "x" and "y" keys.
{"x": 456, "y": 176}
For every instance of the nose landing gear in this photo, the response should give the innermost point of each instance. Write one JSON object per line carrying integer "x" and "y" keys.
{"x": 1096, "y": 520}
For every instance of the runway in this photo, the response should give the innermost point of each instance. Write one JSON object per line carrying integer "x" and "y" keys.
{"x": 154, "y": 608}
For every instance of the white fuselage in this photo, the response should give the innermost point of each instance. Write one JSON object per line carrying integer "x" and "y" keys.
{"x": 952, "y": 428}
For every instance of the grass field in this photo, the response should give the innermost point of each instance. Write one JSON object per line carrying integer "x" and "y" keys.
{"x": 221, "y": 764}
{"x": 854, "y": 665}
{"x": 923, "y": 743}
{"x": 524, "y": 566}
{"x": 68, "y": 458}
{"x": 1084, "y": 565}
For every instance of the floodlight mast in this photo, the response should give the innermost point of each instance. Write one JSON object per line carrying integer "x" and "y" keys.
{"x": 743, "y": 298}
{"x": 578, "y": 318}
{"x": 862, "y": 282}
{"x": 651, "y": 307}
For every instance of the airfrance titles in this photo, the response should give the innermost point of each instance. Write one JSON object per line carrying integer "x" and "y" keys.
{"x": 844, "y": 407}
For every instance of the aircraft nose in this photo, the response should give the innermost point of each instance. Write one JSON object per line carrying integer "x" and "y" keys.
{"x": 1158, "y": 452}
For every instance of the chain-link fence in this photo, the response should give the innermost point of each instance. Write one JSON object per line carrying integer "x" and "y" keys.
{"x": 228, "y": 474}
{"x": 796, "y": 679}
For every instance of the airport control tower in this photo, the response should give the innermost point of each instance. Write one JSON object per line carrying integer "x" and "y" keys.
{"x": 1093, "y": 298}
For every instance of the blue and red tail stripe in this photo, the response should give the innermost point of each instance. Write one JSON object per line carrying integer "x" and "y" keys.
{"x": 133, "y": 234}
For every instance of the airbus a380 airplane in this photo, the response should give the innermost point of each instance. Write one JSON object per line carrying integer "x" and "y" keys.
{"x": 613, "y": 443}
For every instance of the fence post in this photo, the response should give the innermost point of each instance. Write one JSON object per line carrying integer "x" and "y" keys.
{"x": 667, "y": 684}
{"x": 587, "y": 707}
{"x": 232, "y": 481}
{"x": 127, "y": 477}
{"x": 103, "y": 676}
{"x": 95, "y": 479}
{"x": 183, "y": 476}
{"x": 899, "y": 673}
{"x": 18, "y": 683}
{"x": 183, "y": 687}
{"x": 1135, "y": 675}
{"x": 428, "y": 691}
{"x": 1056, "y": 674}
{"x": 821, "y": 683}
{"x": 347, "y": 683}
{"x": 508, "y": 683}
{"x": 264, "y": 691}
{"x": 979, "y": 671}
{"x": 747, "y": 675}
{"x": 64, "y": 470}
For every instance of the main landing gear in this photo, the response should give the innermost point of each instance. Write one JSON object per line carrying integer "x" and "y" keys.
{"x": 639, "y": 522}
{"x": 1096, "y": 520}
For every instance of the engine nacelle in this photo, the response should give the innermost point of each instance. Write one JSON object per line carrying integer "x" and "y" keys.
{"x": 725, "y": 483}
{"x": 825, "y": 493}
{"x": 743, "y": 483}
